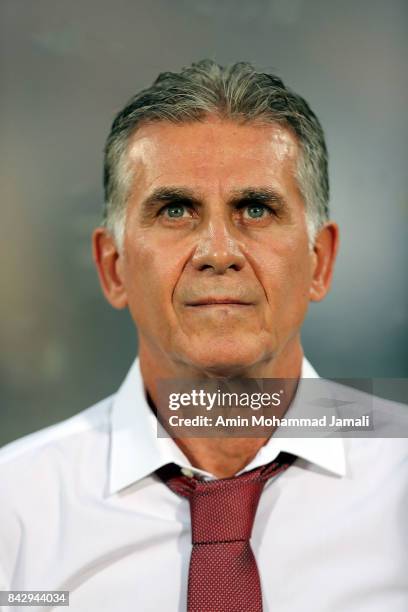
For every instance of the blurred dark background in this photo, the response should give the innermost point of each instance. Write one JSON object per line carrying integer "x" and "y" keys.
{"x": 67, "y": 67}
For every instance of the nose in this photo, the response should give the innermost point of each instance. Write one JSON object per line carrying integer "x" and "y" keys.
{"x": 217, "y": 249}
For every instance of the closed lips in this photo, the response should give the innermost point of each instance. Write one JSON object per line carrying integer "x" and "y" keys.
{"x": 215, "y": 301}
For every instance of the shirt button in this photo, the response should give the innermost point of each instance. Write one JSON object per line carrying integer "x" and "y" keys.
{"x": 187, "y": 472}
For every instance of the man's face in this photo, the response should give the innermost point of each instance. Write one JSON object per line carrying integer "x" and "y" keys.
{"x": 216, "y": 266}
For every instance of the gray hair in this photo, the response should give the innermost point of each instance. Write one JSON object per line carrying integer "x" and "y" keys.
{"x": 235, "y": 92}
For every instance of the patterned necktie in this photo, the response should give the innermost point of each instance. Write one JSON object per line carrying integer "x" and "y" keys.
{"x": 223, "y": 575}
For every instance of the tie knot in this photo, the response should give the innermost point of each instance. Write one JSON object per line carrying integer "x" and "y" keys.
{"x": 223, "y": 510}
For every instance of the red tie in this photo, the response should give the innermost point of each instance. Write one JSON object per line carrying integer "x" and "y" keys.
{"x": 223, "y": 575}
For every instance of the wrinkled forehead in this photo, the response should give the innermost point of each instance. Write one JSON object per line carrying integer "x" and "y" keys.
{"x": 215, "y": 150}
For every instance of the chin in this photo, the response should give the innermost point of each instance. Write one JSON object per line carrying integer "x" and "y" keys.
{"x": 230, "y": 359}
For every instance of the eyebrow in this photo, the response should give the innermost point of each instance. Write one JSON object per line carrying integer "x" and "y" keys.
{"x": 163, "y": 195}
{"x": 258, "y": 195}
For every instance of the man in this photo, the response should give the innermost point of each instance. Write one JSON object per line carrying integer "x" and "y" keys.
{"x": 216, "y": 236}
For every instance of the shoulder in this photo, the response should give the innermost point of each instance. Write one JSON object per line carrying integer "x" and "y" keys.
{"x": 386, "y": 418}
{"x": 381, "y": 454}
{"x": 92, "y": 419}
{"x": 47, "y": 471}
{"x": 53, "y": 453}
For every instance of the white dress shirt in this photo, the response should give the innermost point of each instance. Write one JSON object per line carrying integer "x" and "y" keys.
{"x": 82, "y": 510}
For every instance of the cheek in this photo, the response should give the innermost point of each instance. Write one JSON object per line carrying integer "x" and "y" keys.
{"x": 151, "y": 273}
{"x": 285, "y": 273}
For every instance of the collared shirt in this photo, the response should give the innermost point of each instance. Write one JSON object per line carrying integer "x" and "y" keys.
{"x": 83, "y": 510}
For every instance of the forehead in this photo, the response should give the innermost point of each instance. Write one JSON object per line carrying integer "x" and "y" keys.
{"x": 212, "y": 152}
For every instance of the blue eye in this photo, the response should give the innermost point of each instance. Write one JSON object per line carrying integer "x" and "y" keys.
{"x": 256, "y": 211}
{"x": 175, "y": 210}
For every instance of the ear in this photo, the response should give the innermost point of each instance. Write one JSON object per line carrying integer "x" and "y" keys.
{"x": 324, "y": 255}
{"x": 109, "y": 263}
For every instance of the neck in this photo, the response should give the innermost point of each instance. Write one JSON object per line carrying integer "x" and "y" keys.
{"x": 222, "y": 457}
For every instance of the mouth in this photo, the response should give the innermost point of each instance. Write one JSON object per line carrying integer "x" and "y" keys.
{"x": 225, "y": 301}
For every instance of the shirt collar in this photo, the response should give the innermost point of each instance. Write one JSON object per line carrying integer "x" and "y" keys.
{"x": 326, "y": 452}
{"x": 137, "y": 451}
